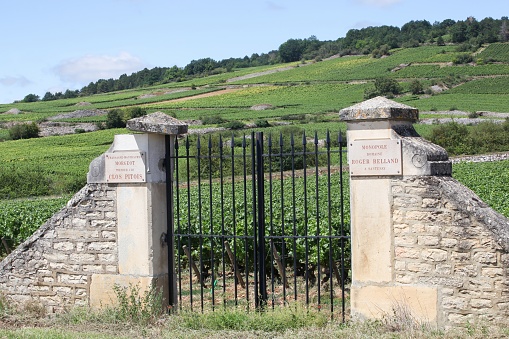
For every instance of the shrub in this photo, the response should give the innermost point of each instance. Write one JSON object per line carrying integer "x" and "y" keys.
{"x": 134, "y": 112}
{"x": 416, "y": 87}
{"x": 464, "y": 58}
{"x": 115, "y": 119}
{"x": 370, "y": 93}
{"x": 138, "y": 308}
{"x": 234, "y": 124}
{"x": 298, "y": 117}
{"x": 387, "y": 86}
{"x": 452, "y": 136}
{"x": 24, "y": 131}
{"x": 262, "y": 123}
{"x": 212, "y": 120}
{"x": 460, "y": 139}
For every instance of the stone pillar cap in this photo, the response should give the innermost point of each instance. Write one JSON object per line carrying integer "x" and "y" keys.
{"x": 157, "y": 122}
{"x": 379, "y": 108}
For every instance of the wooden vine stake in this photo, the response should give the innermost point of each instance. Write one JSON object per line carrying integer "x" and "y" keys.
{"x": 234, "y": 264}
{"x": 193, "y": 265}
{"x": 6, "y": 246}
{"x": 280, "y": 267}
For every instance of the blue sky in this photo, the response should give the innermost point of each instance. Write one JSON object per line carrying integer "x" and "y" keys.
{"x": 54, "y": 45}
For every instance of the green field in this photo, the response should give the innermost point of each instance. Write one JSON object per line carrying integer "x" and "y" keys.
{"x": 302, "y": 97}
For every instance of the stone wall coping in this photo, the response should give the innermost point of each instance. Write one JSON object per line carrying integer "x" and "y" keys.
{"x": 379, "y": 108}
{"x": 47, "y": 226}
{"x": 159, "y": 123}
{"x": 471, "y": 204}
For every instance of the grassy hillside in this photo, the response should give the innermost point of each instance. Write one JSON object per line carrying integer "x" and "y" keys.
{"x": 306, "y": 96}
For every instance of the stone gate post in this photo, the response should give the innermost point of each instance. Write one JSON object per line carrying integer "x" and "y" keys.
{"x": 382, "y": 146}
{"x": 135, "y": 165}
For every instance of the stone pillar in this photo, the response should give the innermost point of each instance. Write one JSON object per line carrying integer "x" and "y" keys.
{"x": 135, "y": 165}
{"x": 382, "y": 146}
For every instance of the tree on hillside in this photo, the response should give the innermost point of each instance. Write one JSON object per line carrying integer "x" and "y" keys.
{"x": 291, "y": 50}
{"x": 134, "y": 112}
{"x": 200, "y": 66}
{"x": 31, "y": 98}
{"x": 458, "y": 32}
{"x": 504, "y": 32}
{"x": 416, "y": 30}
{"x": 386, "y": 86}
{"x": 48, "y": 96}
{"x": 115, "y": 118}
{"x": 416, "y": 87}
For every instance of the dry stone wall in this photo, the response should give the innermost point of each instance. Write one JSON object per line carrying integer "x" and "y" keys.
{"x": 446, "y": 237}
{"x": 55, "y": 265}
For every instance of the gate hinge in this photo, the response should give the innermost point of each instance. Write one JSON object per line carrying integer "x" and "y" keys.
{"x": 163, "y": 239}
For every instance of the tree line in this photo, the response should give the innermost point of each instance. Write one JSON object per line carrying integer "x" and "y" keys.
{"x": 376, "y": 41}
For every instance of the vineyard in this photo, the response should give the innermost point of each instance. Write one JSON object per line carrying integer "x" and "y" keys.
{"x": 496, "y": 85}
{"x": 299, "y": 97}
{"x": 497, "y": 52}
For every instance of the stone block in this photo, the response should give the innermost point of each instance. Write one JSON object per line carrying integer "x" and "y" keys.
{"x": 79, "y": 222}
{"x": 93, "y": 268}
{"x": 428, "y": 240}
{"x": 109, "y": 234}
{"x": 465, "y": 270}
{"x": 107, "y": 223}
{"x": 72, "y": 278}
{"x": 485, "y": 257}
{"x": 101, "y": 286}
{"x": 460, "y": 319}
{"x": 407, "y": 252}
{"x": 448, "y": 242}
{"x": 107, "y": 257}
{"x": 467, "y": 244}
{"x": 375, "y": 302}
{"x": 401, "y": 228}
{"x": 82, "y": 257}
{"x": 447, "y": 291}
{"x": 400, "y": 265}
{"x": 430, "y": 203}
{"x": 434, "y": 255}
{"x": 102, "y": 246}
{"x": 419, "y": 267}
{"x": 480, "y": 283}
{"x": 455, "y": 303}
{"x": 480, "y": 303}
{"x": 443, "y": 269}
{"x": 460, "y": 256}
{"x": 492, "y": 272}
{"x": 441, "y": 281}
{"x": 405, "y": 240}
{"x": 420, "y": 215}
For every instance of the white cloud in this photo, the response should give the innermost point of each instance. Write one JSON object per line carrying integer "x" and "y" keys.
{"x": 94, "y": 67}
{"x": 14, "y": 81}
{"x": 379, "y": 3}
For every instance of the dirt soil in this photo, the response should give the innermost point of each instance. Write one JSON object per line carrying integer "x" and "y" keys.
{"x": 199, "y": 96}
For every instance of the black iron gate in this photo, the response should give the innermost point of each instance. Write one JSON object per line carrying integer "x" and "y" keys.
{"x": 259, "y": 222}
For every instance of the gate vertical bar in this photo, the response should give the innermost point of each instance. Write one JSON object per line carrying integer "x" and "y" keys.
{"x": 262, "y": 283}
{"x": 172, "y": 291}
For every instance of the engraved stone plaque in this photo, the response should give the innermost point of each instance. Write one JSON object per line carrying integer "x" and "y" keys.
{"x": 125, "y": 167}
{"x": 375, "y": 157}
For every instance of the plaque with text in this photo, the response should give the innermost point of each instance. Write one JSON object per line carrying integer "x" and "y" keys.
{"x": 375, "y": 157}
{"x": 125, "y": 167}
